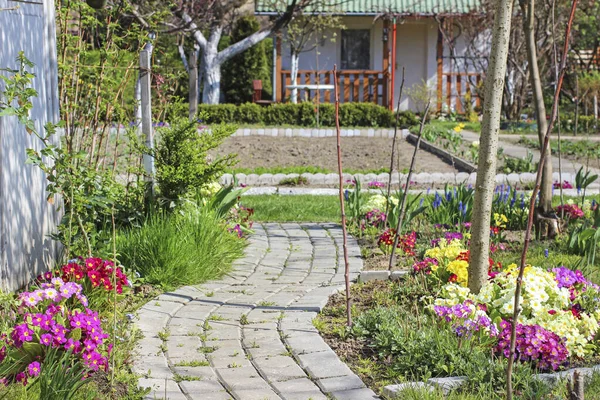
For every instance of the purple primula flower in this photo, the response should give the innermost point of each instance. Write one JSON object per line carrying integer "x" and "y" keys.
{"x": 33, "y": 369}
{"x": 567, "y": 278}
{"x": 46, "y": 339}
{"x": 375, "y": 185}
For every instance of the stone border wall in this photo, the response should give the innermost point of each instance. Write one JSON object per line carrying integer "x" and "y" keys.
{"x": 423, "y": 178}
{"x": 320, "y": 132}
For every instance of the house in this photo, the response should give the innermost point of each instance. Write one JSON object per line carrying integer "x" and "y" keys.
{"x": 380, "y": 38}
{"x": 26, "y": 218}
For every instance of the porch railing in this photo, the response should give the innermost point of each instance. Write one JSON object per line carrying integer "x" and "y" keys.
{"x": 456, "y": 86}
{"x": 354, "y": 85}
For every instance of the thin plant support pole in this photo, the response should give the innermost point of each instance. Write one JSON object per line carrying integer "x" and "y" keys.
{"x": 341, "y": 195}
{"x": 389, "y": 186}
{"x": 554, "y": 115}
{"x": 147, "y": 129}
{"x": 405, "y": 194}
{"x": 576, "y": 102}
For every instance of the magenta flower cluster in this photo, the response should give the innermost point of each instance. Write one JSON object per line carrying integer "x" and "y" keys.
{"x": 564, "y": 185}
{"x": 375, "y": 217}
{"x": 425, "y": 266}
{"x": 375, "y": 185}
{"x": 53, "y": 318}
{"x": 571, "y": 211}
{"x": 533, "y": 343}
{"x": 465, "y": 320}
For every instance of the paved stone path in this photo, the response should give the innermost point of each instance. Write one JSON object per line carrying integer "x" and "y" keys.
{"x": 519, "y": 151}
{"x": 250, "y": 336}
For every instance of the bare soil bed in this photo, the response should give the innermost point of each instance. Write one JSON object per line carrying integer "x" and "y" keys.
{"x": 359, "y": 153}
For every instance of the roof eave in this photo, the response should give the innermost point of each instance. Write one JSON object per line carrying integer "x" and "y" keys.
{"x": 375, "y": 14}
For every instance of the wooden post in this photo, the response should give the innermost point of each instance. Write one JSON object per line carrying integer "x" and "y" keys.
{"x": 458, "y": 93}
{"x": 346, "y": 88}
{"x": 393, "y": 65}
{"x": 278, "y": 77}
{"x": 386, "y": 60}
{"x": 147, "y": 130}
{"x": 440, "y": 66}
{"x": 193, "y": 82}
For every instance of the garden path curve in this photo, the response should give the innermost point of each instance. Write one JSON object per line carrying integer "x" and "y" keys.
{"x": 250, "y": 336}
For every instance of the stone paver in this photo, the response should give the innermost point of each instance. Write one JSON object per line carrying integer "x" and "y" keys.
{"x": 250, "y": 335}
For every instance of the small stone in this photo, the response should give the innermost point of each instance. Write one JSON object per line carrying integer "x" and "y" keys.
{"x": 368, "y": 276}
{"x": 448, "y": 384}
{"x": 396, "y": 275}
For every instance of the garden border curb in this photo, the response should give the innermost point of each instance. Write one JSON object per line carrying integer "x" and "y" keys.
{"x": 319, "y": 132}
{"x": 448, "y": 384}
{"x": 423, "y": 178}
{"x": 456, "y": 162}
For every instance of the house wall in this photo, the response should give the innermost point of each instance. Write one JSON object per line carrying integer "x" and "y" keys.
{"x": 416, "y": 46}
{"x": 328, "y": 52}
{"x": 26, "y": 218}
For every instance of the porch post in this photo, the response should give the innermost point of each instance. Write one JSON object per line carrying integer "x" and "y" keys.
{"x": 440, "y": 65}
{"x": 277, "y": 79}
{"x": 393, "y": 64}
{"x": 386, "y": 64}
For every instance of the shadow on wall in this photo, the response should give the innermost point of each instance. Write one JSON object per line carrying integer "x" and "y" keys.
{"x": 26, "y": 218}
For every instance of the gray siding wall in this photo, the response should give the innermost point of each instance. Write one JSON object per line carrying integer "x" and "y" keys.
{"x": 26, "y": 218}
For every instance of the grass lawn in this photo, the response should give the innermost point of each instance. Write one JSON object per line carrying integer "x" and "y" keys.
{"x": 308, "y": 208}
{"x": 305, "y": 208}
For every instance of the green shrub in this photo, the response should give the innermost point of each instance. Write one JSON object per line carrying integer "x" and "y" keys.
{"x": 181, "y": 157}
{"x": 281, "y": 114}
{"x": 249, "y": 113}
{"x": 217, "y": 114}
{"x": 305, "y": 114}
{"x": 173, "y": 250}
{"x": 252, "y": 64}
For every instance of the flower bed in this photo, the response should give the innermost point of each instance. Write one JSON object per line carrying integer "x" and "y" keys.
{"x": 60, "y": 327}
{"x": 427, "y": 324}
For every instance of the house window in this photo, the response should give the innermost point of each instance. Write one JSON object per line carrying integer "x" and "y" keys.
{"x": 356, "y": 45}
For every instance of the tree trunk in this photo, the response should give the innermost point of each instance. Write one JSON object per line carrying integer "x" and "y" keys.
{"x": 183, "y": 57}
{"x": 193, "y": 83}
{"x": 294, "y": 76}
{"x": 211, "y": 85}
{"x": 528, "y": 8}
{"x": 488, "y": 148}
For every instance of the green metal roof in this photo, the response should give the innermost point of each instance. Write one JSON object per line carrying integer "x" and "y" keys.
{"x": 376, "y": 7}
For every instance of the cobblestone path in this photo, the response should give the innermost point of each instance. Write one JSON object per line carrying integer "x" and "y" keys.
{"x": 250, "y": 336}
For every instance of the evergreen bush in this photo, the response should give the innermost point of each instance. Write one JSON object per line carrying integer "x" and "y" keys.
{"x": 305, "y": 114}
{"x": 252, "y": 64}
{"x": 181, "y": 157}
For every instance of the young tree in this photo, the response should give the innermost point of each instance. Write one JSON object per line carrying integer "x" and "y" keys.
{"x": 241, "y": 70}
{"x": 305, "y": 33}
{"x": 488, "y": 147}
{"x": 528, "y": 11}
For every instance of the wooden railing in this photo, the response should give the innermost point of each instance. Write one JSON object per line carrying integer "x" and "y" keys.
{"x": 456, "y": 86}
{"x": 354, "y": 85}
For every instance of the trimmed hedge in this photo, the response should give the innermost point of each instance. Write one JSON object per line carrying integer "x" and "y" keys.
{"x": 305, "y": 114}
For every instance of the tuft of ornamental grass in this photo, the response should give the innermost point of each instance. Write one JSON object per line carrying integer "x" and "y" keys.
{"x": 172, "y": 250}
